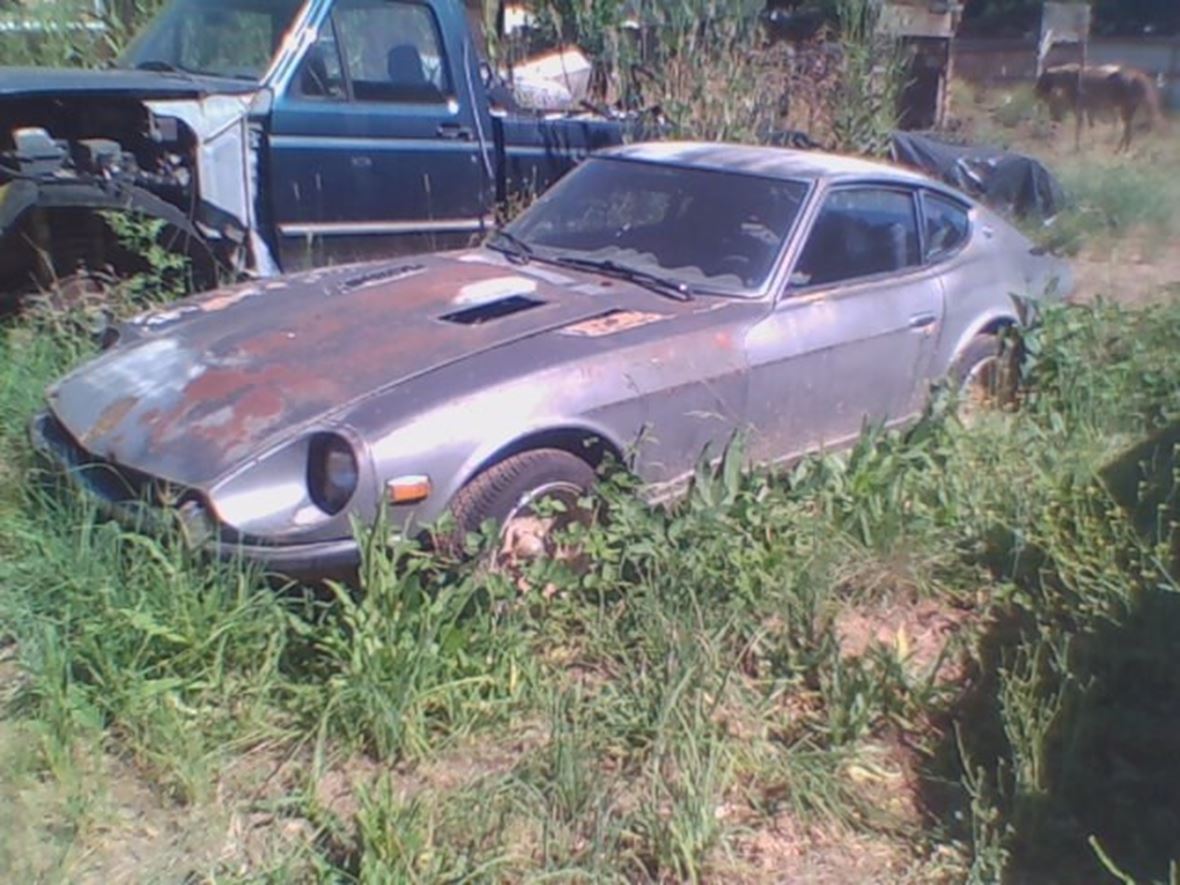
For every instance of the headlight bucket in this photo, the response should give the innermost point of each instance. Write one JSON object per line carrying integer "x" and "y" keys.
{"x": 332, "y": 472}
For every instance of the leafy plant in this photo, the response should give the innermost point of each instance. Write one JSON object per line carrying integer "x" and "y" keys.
{"x": 872, "y": 76}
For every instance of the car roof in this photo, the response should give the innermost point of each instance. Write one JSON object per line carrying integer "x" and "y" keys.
{"x": 769, "y": 162}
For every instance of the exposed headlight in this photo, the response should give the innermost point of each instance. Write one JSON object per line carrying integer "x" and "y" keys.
{"x": 332, "y": 474}
{"x": 108, "y": 336}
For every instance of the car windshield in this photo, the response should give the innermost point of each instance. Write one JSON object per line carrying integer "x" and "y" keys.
{"x": 218, "y": 38}
{"x": 700, "y": 229}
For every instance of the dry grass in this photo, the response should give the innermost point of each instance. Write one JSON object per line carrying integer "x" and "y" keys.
{"x": 1128, "y": 226}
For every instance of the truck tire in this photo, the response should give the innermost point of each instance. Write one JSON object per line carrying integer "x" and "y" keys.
{"x": 506, "y": 493}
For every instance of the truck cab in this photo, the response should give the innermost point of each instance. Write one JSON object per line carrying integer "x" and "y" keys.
{"x": 272, "y": 135}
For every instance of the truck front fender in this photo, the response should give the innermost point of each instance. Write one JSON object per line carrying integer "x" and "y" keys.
{"x": 23, "y": 196}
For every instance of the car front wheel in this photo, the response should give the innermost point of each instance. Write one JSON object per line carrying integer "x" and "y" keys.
{"x": 516, "y": 494}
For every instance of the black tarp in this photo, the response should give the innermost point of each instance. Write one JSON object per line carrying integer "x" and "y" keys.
{"x": 1009, "y": 182}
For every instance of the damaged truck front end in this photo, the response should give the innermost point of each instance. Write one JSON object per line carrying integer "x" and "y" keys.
{"x": 263, "y": 136}
{"x": 69, "y": 158}
{"x": 170, "y": 134}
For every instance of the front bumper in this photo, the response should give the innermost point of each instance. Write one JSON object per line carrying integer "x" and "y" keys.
{"x": 118, "y": 498}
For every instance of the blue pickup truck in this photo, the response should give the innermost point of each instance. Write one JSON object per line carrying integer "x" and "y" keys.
{"x": 271, "y": 135}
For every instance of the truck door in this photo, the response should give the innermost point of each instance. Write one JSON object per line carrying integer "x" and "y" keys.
{"x": 374, "y": 142}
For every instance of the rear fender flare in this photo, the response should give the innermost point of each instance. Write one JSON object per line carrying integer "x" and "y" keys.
{"x": 990, "y": 323}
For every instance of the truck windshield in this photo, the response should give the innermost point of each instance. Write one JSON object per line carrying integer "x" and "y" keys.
{"x": 696, "y": 229}
{"x": 218, "y": 38}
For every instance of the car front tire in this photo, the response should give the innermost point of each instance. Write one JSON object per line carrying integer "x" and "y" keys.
{"x": 510, "y": 493}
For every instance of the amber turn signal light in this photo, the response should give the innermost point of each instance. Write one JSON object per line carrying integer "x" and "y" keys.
{"x": 408, "y": 489}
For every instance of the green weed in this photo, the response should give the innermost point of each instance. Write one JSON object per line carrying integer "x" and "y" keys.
{"x": 690, "y": 684}
{"x": 1107, "y": 204}
{"x": 411, "y": 655}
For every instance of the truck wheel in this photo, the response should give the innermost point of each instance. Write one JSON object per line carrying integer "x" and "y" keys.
{"x": 510, "y": 493}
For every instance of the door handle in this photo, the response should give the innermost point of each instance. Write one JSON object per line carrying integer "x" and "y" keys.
{"x": 922, "y": 320}
{"x": 361, "y": 162}
{"x": 455, "y": 130}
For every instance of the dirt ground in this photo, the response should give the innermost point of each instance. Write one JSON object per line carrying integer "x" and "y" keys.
{"x": 1132, "y": 271}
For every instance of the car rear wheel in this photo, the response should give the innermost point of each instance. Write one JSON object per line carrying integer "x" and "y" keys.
{"x": 514, "y": 493}
{"x": 984, "y": 374}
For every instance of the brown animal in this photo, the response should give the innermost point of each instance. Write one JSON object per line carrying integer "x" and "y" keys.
{"x": 1108, "y": 89}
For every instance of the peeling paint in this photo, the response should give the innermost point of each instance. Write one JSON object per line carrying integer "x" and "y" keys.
{"x": 222, "y": 301}
{"x": 611, "y": 323}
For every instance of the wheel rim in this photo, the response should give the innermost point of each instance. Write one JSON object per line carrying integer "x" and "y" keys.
{"x": 980, "y": 388}
{"x": 527, "y": 536}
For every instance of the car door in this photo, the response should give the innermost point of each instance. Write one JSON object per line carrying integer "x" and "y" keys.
{"x": 373, "y": 142}
{"x": 850, "y": 338}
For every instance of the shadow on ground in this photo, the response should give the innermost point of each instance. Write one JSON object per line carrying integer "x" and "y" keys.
{"x": 1072, "y": 722}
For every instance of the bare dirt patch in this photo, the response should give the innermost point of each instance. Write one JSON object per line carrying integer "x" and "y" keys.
{"x": 1136, "y": 269}
{"x": 921, "y": 632}
{"x": 336, "y": 790}
{"x": 786, "y": 850}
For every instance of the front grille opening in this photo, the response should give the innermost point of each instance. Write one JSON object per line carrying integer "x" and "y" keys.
{"x": 492, "y": 310}
{"x": 113, "y": 483}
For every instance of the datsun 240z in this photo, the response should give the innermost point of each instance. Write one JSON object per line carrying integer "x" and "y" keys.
{"x": 656, "y": 301}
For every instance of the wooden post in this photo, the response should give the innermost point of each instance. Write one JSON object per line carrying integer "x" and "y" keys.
{"x": 944, "y": 104}
{"x": 1079, "y": 96}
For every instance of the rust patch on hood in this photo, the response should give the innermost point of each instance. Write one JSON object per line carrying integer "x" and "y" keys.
{"x": 110, "y": 419}
{"x": 200, "y": 390}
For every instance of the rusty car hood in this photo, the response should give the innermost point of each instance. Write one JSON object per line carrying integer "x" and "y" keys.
{"x": 196, "y": 390}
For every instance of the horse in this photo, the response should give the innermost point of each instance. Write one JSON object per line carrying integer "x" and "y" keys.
{"x": 1117, "y": 89}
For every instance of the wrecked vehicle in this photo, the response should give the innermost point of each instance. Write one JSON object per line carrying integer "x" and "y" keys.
{"x": 267, "y": 136}
{"x": 658, "y": 299}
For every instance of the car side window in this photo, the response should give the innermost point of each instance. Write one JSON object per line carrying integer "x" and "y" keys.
{"x": 320, "y": 73}
{"x": 946, "y": 225}
{"x": 859, "y": 232}
{"x": 392, "y": 51}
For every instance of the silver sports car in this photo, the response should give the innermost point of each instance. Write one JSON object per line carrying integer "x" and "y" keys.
{"x": 656, "y": 301}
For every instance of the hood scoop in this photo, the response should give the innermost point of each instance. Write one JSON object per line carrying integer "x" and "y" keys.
{"x": 491, "y": 310}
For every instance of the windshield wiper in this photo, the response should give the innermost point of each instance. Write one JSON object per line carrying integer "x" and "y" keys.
{"x": 659, "y": 284}
{"x": 158, "y": 64}
{"x": 517, "y": 250}
{"x": 165, "y": 67}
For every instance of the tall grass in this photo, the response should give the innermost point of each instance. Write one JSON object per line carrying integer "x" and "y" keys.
{"x": 865, "y": 108}
{"x": 704, "y": 65}
{"x": 693, "y": 683}
{"x": 1110, "y": 204}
